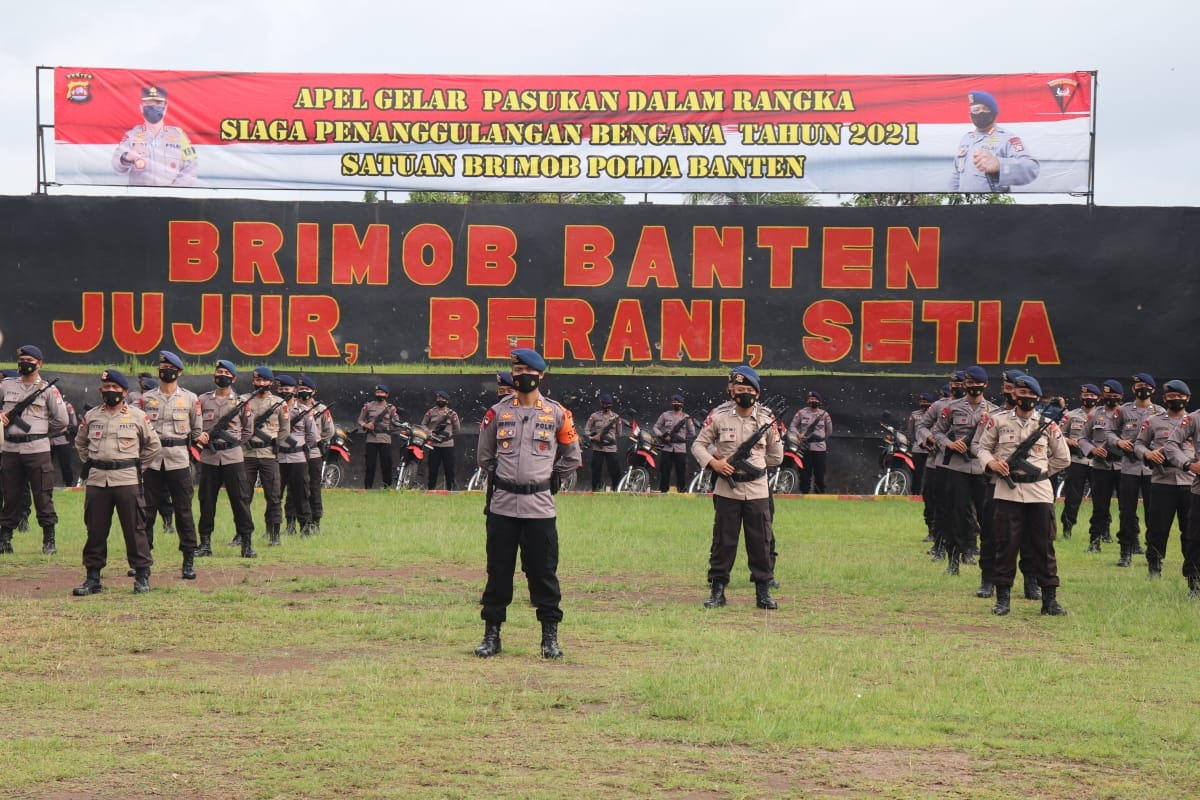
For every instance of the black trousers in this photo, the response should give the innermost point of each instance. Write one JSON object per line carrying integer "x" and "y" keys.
{"x": 599, "y": 462}
{"x": 62, "y": 454}
{"x": 963, "y": 496}
{"x": 918, "y": 473}
{"x": 99, "y": 502}
{"x": 731, "y": 517}
{"x": 1027, "y": 528}
{"x": 1104, "y": 484}
{"x": 266, "y": 472}
{"x": 672, "y": 461}
{"x": 233, "y": 478}
{"x": 931, "y": 486}
{"x": 814, "y": 472}
{"x": 380, "y": 452}
{"x": 1168, "y": 503}
{"x": 34, "y": 470}
{"x": 175, "y": 484}
{"x": 1129, "y": 488}
{"x": 537, "y": 541}
{"x": 294, "y": 480}
{"x": 1076, "y": 480}
{"x": 1191, "y": 540}
{"x": 441, "y": 459}
{"x": 315, "y": 485}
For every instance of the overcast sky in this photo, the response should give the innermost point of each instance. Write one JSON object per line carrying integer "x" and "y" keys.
{"x": 1146, "y": 54}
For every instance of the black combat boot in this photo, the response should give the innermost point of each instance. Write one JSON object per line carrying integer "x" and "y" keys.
{"x": 23, "y": 523}
{"x": 1032, "y": 590}
{"x": 273, "y": 535}
{"x": 762, "y": 597}
{"x": 1138, "y": 550}
{"x": 1106, "y": 538}
{"x": 1126, "y": 559}
{"x": 1050, "y": 606}
{"x": 290, "y": 530}
{"x": 952, "y": 567}
{"x": 1194, "y": 588}
{"x": 91, "y": 585}
{"x": 1093, "y": 546}
{"x": 48, "y": 548}
{"x": 928, "y": 537}
{"x": 132, "y": 573}
{"x": 1066, "y": 532}
{"x": 550, "y": 648}
{"x": 247, "y": 549}
{"x": 1153, "y": 566}
{"x": 236, "y": 541}
{"x": 717, "y": 598}
{"x": 316, "y": 526}
{"x": 307, "y": 529}
{"x": 205, "y": 548}
{"x": 490, "y": 646}
{"x": 968, "y": 558}
{"x": 6, "y": 540}
{"x": 985, "y": 588}
{"x": 1003, "y": 601}
{"x": 141, "y": 580}
{"x": 188, "y": 573}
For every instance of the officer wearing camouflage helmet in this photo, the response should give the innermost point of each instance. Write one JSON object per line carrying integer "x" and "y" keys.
{"x": 990, "y": 159}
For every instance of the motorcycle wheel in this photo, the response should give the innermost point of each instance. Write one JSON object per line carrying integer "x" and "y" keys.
{"x": 568, "y": 482}
{"x": 636, "y": 480}
{"x": 702, "y": 482}
{"x": 478, "y": 482}
{"x": 788, "y": 481}
{"x": 894, "y": 482}
{"x": 331, "y": 476}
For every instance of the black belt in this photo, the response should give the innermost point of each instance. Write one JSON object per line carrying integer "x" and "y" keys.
{"x": 125, "y": 463}
{"x": 174, "y": 442}
{"x": 521, "y": 488}
{"x": 1019, "y": 477}
{"x": 22, "y": 438}
{"x": 286, "y": 450}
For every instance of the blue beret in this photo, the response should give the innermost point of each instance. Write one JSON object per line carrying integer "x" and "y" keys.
{"x": 172, "y": 359}
{"x": 816, "y": 395}
{"x": 1010, "y": 375}
{"x": 308, "y": 382}
{"x": 1144, "y": 378}
{"x": 264, "y": 371}
{"x": 116, "y": 377}
{"x": 1177, "y": 386}
{"x": 976, "y": 373}
{"x": 606, "y": 400}
{"x": 1028, "y": 382}
{"x": 530, "y": 358}
{"x": 382, "y": 387}
{"x": 286, "y": 380}
{"x": 945, "y": 388}
{"x": 1089, "y": 387}
{"x": 147, "y": 383}
{"x": 676, "y": 398}
{"x": 958, "y": 376}
{"x": 927, "y": 397}
{"x": 505, "y": 379}
{"x": 223, "y": 364}
{"x": 154, "y": 93}
{"x": 9, "y": 373}
{"x": 1113, "y": 385}
{"x": 442, "y": 393}
{"x": 745, "y": 375}
{"x": 30, "y": 350}
{"x": 984, "y": 98}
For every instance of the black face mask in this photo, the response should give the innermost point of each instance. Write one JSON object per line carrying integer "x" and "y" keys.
{"x": 26, "y": 367}
{"x": 441, "y": 403}
{"x": 677, "y": 406}
{"x": 154, "y": 114}
{"x": 262, "y": 389}
{"x": 526, "y": 382}
{"x": 382, "y": 398}
{"x": 1111, "y": 402}
{"x": 606, "y": 408}
{"x": 957, "y": 392}
{"x": 975, "y": 391}
{"x": 745, "y": 399}
{"x": 112, "y": 399}
{"x": 1088, "y": 402}
{"x": 223, "y": 381}
{"x": 285, "y": 396}
{"x": 1010, "y": 398}
{"x": 923, "y": 406}
{"x": 1143, "y": 394}
{"x": 983, "y": 119}
{"x": 168, "y": 374}
{"x": 814, "y": 403}
{"x": 304, "y": 395}
{"x": 1026, "y": 403}
{"x": 1177, "y": 405}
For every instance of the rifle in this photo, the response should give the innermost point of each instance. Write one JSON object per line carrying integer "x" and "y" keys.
{"x": 1020, "y": 457}
{"x": 970, "y": 437}
{"x": 669, "y": 438}
{"x": 804, "y": 440}
{"x": 259, "y": 421}
{"x": 375, "y": 421}
{"x": 220, "y": 429}
{"x": 14, "y": 413}
{"x": 739, "y": 460}
{"x": 439, "y": 433}
{"x": 600, "y": 436}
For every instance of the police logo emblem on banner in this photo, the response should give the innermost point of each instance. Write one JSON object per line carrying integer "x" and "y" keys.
{"x": 79, "y": 87}
{"x": 1064, "y": 91}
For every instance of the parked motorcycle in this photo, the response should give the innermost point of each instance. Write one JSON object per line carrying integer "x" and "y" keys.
{"x": 641, "y": 460}
{"x": 339, "y": 450}
{"x": 785, "y": 479}
{"x": 415, "y": 441}
{"x": 895, "y": 461}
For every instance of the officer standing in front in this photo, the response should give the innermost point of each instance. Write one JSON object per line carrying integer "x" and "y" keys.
{"x": 27, "y": 433}
{"x": 1135, "y": 474}
{"x": 1024, "y": 513}
{"x": 174, "y": 413}
{"x": 222, "y": 463}
{"x": 379, "y": 418}
{"x": 114, "y": 440}
{"x": 674, "y": 428}
{"x": 813, "y": 425}
{"x": 443, "y": 424}
{"x": 1169, "y": 487}
{"x": 527, "y": 450}
{"x": 1072, "y": 425}
{"x": 306, "y": 395}
{"x": 268, "y": 429}
{"x": 741, "y": 499}
{"x": 602, "y": 430}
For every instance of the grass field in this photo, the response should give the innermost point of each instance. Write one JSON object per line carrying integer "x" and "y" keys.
{"x": 341, "y": 666}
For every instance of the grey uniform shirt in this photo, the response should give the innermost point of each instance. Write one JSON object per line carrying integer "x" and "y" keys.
{"x": 299, "y": 435}
{"x": 325, "y": 428}
{"x": 525, "y": 446}
{"x": 1182, "y": 446}
{"x": 925, "y": 429}
{"x": 1072, "y": 425}
{"x": 595, "y": 426}
{"x": 212, "y": 408}
{"x": 723, "y": 433}
{"x": 961, "y": 419}
{"x": 1017, "y": 167}
{"x": 1129, "y": 418}
{"x": 175, "y": 418}
{"x": 385, "y": 423}
{"x": 1095, "y": 434}
{"x": 265, "y": 437}
{"x": 47, "y": 415}
{"x": 916, "y": 446}
{"x": 667, "y": 422}
{"x": 442, "y": 422}
{"x": 818, "y": 438}
{"x": 1003, "y": 434}
{"x": 1156, "y": 431}
{"x": 115, "y": 435}
{"x": 169, "y": 158}
{"x": 72, "y": 422}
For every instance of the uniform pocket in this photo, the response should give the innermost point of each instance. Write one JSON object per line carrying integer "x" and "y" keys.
{"x": 506, "y": 441}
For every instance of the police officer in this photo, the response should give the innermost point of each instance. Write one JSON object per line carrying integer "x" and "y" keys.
{"x": 936, "y": 479}
{"x": 741, "y": 499}
{"x": 1181, "y": 452}
{"x": 174, "y": 414}
{"x": 268, "y": 430}
{"x": 1024, "y": 514}
{"x": 299, "y": 436}
{"x": 674, "y": 428}
{"x": 990, "y": 158}
{"x": 918, "y": 451}
{"x": 147, "y": 383}
{"x": 1072, "y": 425}
{"x": 1170, "y": 488}
{"x": 26, "y": 499}
{"x": 1103, "y": 472}
{"x": 379, "y": 418}
{"x": 154, "y": 154}
{"x": 306, "y": 397}
{"x": 222, "y": 462}
{"x": 813, "y": 426}
{"x": 602, "y": 430}
{"x": 27, "y": 447}
{"x": 114, "y": 440}
{"x": 1135, "y": 474}
{"x": 443, "y": 424}
{"x": 61, "y": 447}
{"x": 527, "y": 450}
